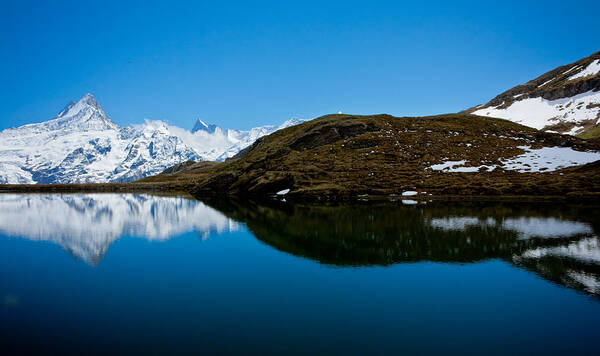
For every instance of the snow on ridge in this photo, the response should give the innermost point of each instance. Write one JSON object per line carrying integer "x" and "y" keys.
{"x": 571, "y": 69}
{"x": 592, "y": 69}
{"x": 539, "y": 112}
{"x": 546, "y": 82}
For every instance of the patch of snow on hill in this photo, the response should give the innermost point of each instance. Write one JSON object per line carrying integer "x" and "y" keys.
{"x": 549, "y": 159}
{"x": 457, "y": 166}
{"x": 539, "y": 112}
{"x": 533, "y": 160}
{"x": 592, "y": 69}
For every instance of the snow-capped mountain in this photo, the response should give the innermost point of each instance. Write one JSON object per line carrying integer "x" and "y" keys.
{"x": 202, "y": 126}
{"x": 218, "y": 144}
{"x": 564, "y": 100}
{"x": 83, "y": 145}
{"x": 87, "y": 224}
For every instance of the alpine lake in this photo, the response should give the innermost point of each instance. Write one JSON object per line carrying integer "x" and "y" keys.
{"x": 90, "y": 274}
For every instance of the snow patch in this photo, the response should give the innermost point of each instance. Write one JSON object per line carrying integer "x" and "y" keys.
{"x": 546, "y": 82}
{"x": 546, "y": 159}
{"x": 592, "y": 69}
{"x": 539, "y": 112}
{"x": 457, "y": 166}
{"x": 283, "y": 192}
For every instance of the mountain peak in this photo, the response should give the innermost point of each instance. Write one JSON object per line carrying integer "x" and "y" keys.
{"x": 89, "y": 99}
{"x": 202, "y": 126}
{"x": 86, "y": 101}
{"x": 84, "y": 114}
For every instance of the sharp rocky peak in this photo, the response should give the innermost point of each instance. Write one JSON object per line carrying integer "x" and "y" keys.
{"x": 202, "y": 126}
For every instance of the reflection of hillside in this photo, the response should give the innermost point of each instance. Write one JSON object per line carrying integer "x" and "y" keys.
{"x": 86, "y": 224}
{"x": 538, "y": 237}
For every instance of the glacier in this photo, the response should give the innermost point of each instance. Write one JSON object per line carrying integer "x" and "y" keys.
{"x": 83, "y": 145}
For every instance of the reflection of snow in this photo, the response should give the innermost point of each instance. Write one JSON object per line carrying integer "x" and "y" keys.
{"x": 590, "y": 282}
{"x": 455, "y": 223}
{"x": 585, "y": 250}
{"x": 525, "y": 227}
{"x": 545, "y": 227}
{"x": 86, "y": 224}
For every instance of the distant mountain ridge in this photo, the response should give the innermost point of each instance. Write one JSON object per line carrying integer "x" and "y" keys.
{"x": 564, "y": 100}
{"x": 83, "y": 145}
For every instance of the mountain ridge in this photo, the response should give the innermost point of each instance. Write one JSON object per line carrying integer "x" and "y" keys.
{"x": 81, "y": 144}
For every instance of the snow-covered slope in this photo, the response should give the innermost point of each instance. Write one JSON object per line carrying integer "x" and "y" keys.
{"x": 564, "y": 100}
{"x": 82, "y": 145}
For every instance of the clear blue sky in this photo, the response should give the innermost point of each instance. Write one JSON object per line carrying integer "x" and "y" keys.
{"x": 242, "y": 64}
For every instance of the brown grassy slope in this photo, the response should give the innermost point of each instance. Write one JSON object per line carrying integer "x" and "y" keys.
{"x": 342, "y": 156}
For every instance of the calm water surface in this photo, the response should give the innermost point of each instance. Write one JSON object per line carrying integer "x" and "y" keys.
{"x": 122, "y": 274}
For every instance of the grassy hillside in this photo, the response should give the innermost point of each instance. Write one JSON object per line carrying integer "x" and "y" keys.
{"x": 591, "y": 134}
{"x": 338, "y": 157}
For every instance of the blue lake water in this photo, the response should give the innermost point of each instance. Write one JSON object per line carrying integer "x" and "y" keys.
{"x": 122, "y": 274}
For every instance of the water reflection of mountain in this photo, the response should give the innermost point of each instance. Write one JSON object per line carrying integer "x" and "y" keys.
{"x": 86, "y": 224}
{"x": 559, "y": 243}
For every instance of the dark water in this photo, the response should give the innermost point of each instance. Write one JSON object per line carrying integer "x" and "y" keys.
{"x": 123, "y": 274}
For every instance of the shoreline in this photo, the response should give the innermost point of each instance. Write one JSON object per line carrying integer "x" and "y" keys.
{"x": 166, "y": 188}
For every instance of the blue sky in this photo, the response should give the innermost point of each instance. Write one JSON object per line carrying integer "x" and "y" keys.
{"x": 243, "y": 64}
